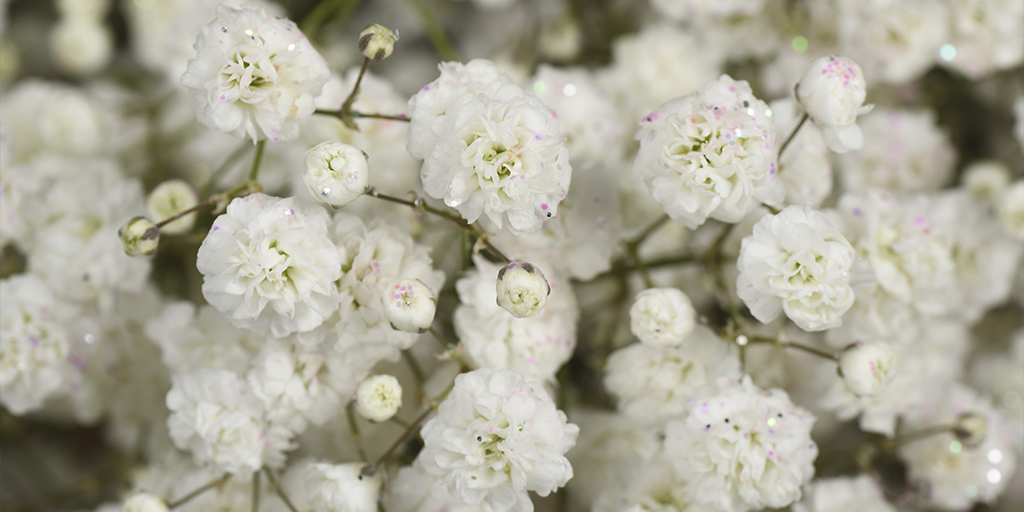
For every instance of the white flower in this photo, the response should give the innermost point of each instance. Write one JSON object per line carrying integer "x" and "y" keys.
{"x": 986, "y": 180}
{"x": 496, "y": 437}
{"x": 959, "y": 475}
{"x": 81, "y": 47}
{"x": 144, "y": 502}
{"x": 536, "y": 346}
{"x": 832, "y": 91}
{"x": 895, "y": 42}
{"x": 409, "y": 305}
{"x": 662, "y": 317}
{"x": 1011, "y": 209}
{"x": 501, "y": 155}
{"x": 336, "y": 173}
{"x": 34, "y": 343}
{"x": 431, "y": 101}
{"x": 710, "y": 154}
{"x": 985, "y": 36}
{"x": 806, "y": 167}
{"x": 169, "y": 198}
{"x": 189, "y": 338}
{"x": 268, "y": 264}
{"x": 844, "y": 494}
{"x": 215, "y": 416}
{"x": 254, "y": 75}
{"x": 342, "y": 488}
{"x": 904, "y": 151}
{"x": 378, "y": 397}
{"x": 741, "y": 448}
{"x": 47, "y": 118}
{"x": 521, "y": 289}
{"x": 799, "y": 262}
{"x": 997, "y": 374}
{"x": 868, "y": 368}
{"x": 652, "y": 384}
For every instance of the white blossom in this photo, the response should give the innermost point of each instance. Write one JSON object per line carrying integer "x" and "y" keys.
{"x": 191, "y": 337}
{"x": 336, "y": 173}
{"x": 985, "y": 36}
{"x": 521, "y": 289}
{"x": 169, "y": 198}
{"x": 268, "y": 264}
{"x": 895, "y": 42}
{"x": 710, "y": 154}
{"x": 741, "y": 448}
{"x": 44, "y": 118}
{"x": 378, "y": 397}
{"x": 144, "y": 502}
{"x": 409, "y": 305}
{"x": 832, "y": 91}
{"x": 844, "y": 494}
{"x": 1011, "y": 209}
{"x": 805, "y": 168}
{"x": 996, "y": 373}
{"x": 81, "y": 47}
{"x": 986, "y": 180}
{"x": 798, "y": 262}
{"x": 662, "y": 317}
{"x": 496, "y": 437}
{"x": 868, "y": 368}
{"x": 254, "y": 76}
{"x": 342, "y": 488}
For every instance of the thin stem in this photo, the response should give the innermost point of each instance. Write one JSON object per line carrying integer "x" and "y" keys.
{"x": 633, "y": 248}
{"x": 353, "y": 114}
{"x": 256, "y": 492}
{"x": 190, "y": 496}
{"x": 917, "y": 435}
{"x": 257, "y": 160}
{"x": 803, "y": 119}
{"x": 451, "y": 351}
{"x": 277, "y": 488}
{"x": 209, "y": 202}
{"x": 834, "y": 356}
{"x": 357, "y": 438}
{"x": 346, "y": 107}
{"x": 435, "y": 32}
{"x": 421, "y": 205}
{"x": 232, "y": 158}
{"x": 398, "y": 442}
{"x": 639, "y": 239}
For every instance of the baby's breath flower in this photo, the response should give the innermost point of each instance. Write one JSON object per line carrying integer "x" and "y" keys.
{"x": 378, "y": 397}
{"x": 169, "y": 198}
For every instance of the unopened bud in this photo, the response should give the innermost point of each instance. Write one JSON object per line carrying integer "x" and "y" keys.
{"x": 170, "y": 198}
{"x": 336, "y": 173}
{"x": 662, "y": 317}
{"x": 522, "y": 289}
{"x": 409, "y": 305}
{"x": 377, "y": 42}
{"x": 868, "y": 368}
{"x": 144, "y": 502}
{"x": 378, "y": 397}
{"x": 970, "y": 429}
{"x": 139, "y": 236}
{"x": 81, "y": 47}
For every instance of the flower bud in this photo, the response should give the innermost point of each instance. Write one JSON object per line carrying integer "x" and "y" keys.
{"x": 868, "y": 368}
{"x": 139, "y": 236}
{"x": 662, "y": 317}
{"x": 409, "y": 305}
{"x": 336, "y": 173}
{"x": 81, "y": 46}
{"x": 378, "y": 397}
{"x": 170, "y": 198}
{"x": 342, "y": 488}
{"x": 970, "y": 429}
{"x": 986, "y": 180}
{"x": 832, "y": 92}
{"x": 144, "y": 502}
{"x": 522, "y": 289}
{"x": 377, "y": 42}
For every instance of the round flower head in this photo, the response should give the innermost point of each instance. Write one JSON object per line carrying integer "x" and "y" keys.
{"x": 409, "y": 305}
{"x": 144, "y": 502}
{"x": 378, "y": 397}
{"x": 662, "y": 317}
{"x": 336, "y": 173}
{"x": 844, "y": 494}
{"x": 797, "y": 261}
{"x": 971, "y": 429}
{"x": 139, "y": 237}
{"x": 868, "y": 368}
{"x": 496, "y": 437}
{"x": 268, "y": 264}
{"x": 986, "y": 180}
{"x": 342, "y": 488}
{"x": 81, "y": 47}
{"x": 254, "y": 76}
{"x": 832, "y": 92}
{"x": 710, "y": 154}
{"x": 169, "y": 198}
{"x": 377, "y": 42}
{"x": 522, "y": 289}
{"x": 741, "y": 448}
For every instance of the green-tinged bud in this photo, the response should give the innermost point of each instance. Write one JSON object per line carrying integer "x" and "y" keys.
{"x": 377, "y": 42}
{"x": 139, "y": 236}
{"x": 970, "y": 429}
{"x": 522, "y": 289}
{"x": 170, "y": 198}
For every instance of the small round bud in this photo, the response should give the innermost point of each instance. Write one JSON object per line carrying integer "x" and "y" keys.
{"x": 522, "y": 289}
{"x": 139, "y": 236}
{"x": 377, "y": 42}
{"x": 986, "y": 180}
{"x": 144, "y": 502}
{"x": 662, "y": 317}
{"x": 868, "y": 368}
{"x": 342, "y": 488}
{"x": 378, "y": 397}
{"x": 832, "y": 91}
{"x": 409, "y": 305}
{"x": 336, "y": 173}
{"x": 970, "y": 429}
{"x": 81, "y": 46}
{"x": 170, "y": 198}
